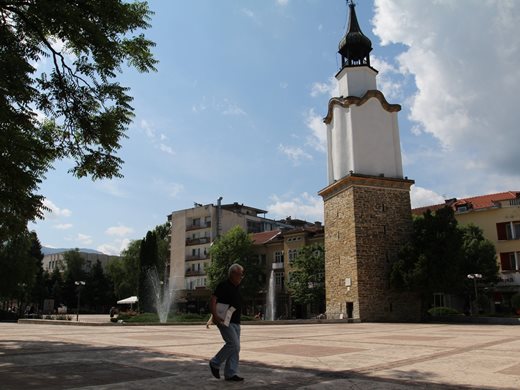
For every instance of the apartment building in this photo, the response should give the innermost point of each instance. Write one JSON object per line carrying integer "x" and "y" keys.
{"x": 276, "y": 250}
{"x": 56, "y": 260}
{"x": 498, "y": 215}
{"x": 193, "y": 231}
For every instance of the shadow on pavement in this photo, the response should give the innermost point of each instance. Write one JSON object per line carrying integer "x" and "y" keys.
{"x": 59, "y": 365}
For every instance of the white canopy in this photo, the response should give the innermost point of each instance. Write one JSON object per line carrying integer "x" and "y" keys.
{"x": 128, "y": 301}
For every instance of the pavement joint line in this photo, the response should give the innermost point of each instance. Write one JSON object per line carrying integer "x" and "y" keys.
{"x": 433, "y": 356}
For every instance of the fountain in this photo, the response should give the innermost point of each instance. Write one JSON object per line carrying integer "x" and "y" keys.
{"x": 163, "y": 294}
{"x": 270, "y": 311}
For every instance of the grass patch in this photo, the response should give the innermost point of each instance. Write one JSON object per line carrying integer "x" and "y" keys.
{"x": 443, "y": 311}
{"x": 153, "y": 317}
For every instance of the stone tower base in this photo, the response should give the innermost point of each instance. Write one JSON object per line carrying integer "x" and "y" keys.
{"x": 367, "y": 219}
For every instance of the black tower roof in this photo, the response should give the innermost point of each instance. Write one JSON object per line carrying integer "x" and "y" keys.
{"x": 355, "y": 47}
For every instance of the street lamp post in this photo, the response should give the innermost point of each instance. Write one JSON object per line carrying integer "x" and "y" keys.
{"x": 475, "y": 277}
{"x": 80, "y": 284}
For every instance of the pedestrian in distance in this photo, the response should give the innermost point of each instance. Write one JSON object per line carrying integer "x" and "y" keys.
{"x": 226, "y": 309}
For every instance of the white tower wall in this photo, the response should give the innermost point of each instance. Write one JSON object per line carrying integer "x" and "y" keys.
{"x": 356, "y": 81}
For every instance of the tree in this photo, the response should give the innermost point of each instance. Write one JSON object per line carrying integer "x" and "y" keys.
{"x": 98, "y": 289}
{"x": 148, "y": 259}
{"x": 439, "y": 256}
{"x": 38, "y": 291}
{"x": 87, "y": 112}
{"x": 55, "y": 287}
{"x": 479, "y": 255}
{"x": 307, "y": 280}
{"x": 74, "y": 265}
{"x": 124, "y": 272}
{"x": 74, "y": 272}
{"x": 235, "y": 246}
{"x": 18, "y": 267}
{"x": 162, "y": 234}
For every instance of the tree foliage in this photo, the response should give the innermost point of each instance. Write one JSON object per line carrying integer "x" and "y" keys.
{"x": 162, "y": 234}
{"x": 74, "y": 265}
{"x": 148, "y": 260}
{"x": 307, "y": 280}
{"x": 124, "y": 272}
{"x": 441, "y": 254}
{"x": 59, "y": 61}
{"x": 18, "y": 266}
{"x": 235, "y": 246}
{"x": 99, "y": 291}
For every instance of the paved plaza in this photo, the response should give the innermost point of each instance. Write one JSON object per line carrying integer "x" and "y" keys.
{"x": 297, "y": 356}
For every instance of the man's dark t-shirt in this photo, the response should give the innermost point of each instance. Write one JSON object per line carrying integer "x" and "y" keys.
{"x": 226, "y": 292}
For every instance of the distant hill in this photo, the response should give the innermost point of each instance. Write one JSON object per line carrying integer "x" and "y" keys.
{"x": 50, "y": 251}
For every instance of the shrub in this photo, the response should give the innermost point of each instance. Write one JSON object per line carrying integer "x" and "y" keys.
{"x": 442, "y": 311}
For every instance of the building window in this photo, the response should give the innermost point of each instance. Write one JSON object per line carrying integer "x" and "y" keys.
{"x": 510, "y": 261}
{"x": 279, "y": 279}
{"x": 293, "y": 253}
{"x": 196, "y": 222}
{"x": 278, "y": 257}
{"x": 508, "y": 230}
{"x": 254, "y": 226}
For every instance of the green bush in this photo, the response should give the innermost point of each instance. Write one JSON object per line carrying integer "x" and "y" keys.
{"x": 442, "y": 311}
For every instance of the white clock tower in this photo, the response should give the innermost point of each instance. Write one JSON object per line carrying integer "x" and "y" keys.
{"x": 367, "y": 200}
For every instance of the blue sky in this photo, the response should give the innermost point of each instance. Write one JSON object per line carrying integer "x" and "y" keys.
{"x": 235, "y": 110}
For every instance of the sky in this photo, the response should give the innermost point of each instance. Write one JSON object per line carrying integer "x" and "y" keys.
{"x": 236, "y": 110}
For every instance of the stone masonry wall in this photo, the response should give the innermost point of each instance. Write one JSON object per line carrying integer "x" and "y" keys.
{"x": 366, "y": 222}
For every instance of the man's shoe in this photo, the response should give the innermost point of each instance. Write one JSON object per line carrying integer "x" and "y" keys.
{"x": 214, "y": 371}
{"x": 235, "y": 378}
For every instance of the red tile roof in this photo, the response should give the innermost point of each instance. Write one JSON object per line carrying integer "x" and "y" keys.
{"x": 473, "y": 203}
{"x": 264, "y": 237}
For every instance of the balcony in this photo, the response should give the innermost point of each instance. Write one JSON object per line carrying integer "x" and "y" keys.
{"x": 204, "y": 225}
{"x": 191, "y": 272}
{"x": 197, "y": 257}
{"x": 277, "y": 266}
{"x": 197, "y": 241}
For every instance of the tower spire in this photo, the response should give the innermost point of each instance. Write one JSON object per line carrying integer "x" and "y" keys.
{"x": 354, "y": 47}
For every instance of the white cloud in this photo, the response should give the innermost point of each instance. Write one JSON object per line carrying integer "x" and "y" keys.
{"x": 467, "y": 77}
{"x": 196, "y": 108}
{"x": 63, "y": 226}
{"x": 221, "y": 105}
{"x": 421, "y": 197}
{"x": 282, "y": 3}
{"x": 318, "y": 136}
{"x": 108, "y": 249}
{"x": 114, "y": 248}
{"x": 233, "y": 110}
{"x": 156, "y": 140}
{"x": 330, "y": 88}
{"x": 148, "y": 129}
{"x": 120, "y": 231}
{"x": 84, "y": 239}
{"x": 174, "y": 189}
{"x": 55, "y": 211}
{"x": 248, "y": 13}
{"x": 112, "y": 187}
{"x": 305, "y": 206}
{"x": 166, "y": 149}
{"x": 294, "y": 153}
{"x": 388, "y": 78}
{"x": 171, "y": 188}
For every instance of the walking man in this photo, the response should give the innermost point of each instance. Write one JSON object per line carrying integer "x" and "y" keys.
{"x": 228, "y": 293}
